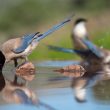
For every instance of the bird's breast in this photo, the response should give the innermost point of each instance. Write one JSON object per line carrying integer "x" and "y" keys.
{"x": 30, "y": 48}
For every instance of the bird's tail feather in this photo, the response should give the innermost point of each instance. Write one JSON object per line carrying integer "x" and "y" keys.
{"x": 61, "y": 49}
{"x": 67, "y": 50}
{"x": 54, "y": 28}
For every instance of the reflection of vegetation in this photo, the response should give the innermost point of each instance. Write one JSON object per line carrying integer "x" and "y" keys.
{"x": 102, "y": 91}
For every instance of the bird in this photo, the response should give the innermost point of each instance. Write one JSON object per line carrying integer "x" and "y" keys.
{"x": 95, "y": 60}
{"x": 17, "y": 48}
{"x": 79, "y": 31}
{"x": 83, "y": 47}
{"x": 93, "y": 54}
{"x": 21, "y": 47}
{"x": 18, "y": 93}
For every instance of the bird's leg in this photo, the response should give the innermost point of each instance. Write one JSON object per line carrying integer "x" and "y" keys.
{"x": 26, "y": 59}
{"x": 15, "y": 78}
{"x": 15, "y": 62}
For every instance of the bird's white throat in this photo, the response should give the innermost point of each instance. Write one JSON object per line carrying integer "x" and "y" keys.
{"x": 80, "y": 30}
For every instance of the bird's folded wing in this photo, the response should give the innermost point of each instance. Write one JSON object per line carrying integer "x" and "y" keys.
{"x": 26, "y": 40}
{"x": 93, "y": 48}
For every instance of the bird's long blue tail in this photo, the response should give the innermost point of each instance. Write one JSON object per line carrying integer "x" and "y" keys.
{"x": 54, "y": 28}
{"x": 28, "y": 39}
{"x": 61, "y": 49}
{"x": 67, "y": 50}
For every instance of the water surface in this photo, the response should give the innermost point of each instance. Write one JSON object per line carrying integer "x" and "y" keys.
{"x": 54, "y": 89}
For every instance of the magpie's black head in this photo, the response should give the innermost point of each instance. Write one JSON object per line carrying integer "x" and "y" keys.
{"x": 2, "y": 60}
{"x": 80, "y": 20}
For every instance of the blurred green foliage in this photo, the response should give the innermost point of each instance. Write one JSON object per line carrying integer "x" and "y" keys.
{"x": 28, "y": 13}
{"x": 19, "y": 14}
{"x": 90, "y": 5}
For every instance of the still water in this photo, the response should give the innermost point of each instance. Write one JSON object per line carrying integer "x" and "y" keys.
{"x": 59, "y": 91}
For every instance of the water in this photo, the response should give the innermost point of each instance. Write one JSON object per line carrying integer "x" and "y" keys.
{"x": 56, "y": 90}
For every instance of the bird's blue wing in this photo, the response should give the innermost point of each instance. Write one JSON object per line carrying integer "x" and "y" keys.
{"x": 93, "y": 48}
{"x": 26, "y": 40}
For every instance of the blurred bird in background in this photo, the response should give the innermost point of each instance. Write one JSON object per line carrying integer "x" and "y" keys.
{"x": 83, "y": 47}
{"x": 95, "y": 60}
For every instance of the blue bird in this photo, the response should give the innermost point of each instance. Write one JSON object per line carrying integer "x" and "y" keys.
{"x": 32, "y": 39}
{"x": 16, "y": 48}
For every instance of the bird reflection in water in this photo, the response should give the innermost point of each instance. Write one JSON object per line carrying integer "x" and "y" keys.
{"x": 19, "y": 93}
{"x": 93, "y": 74}
{"x": 83, "y": 77}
